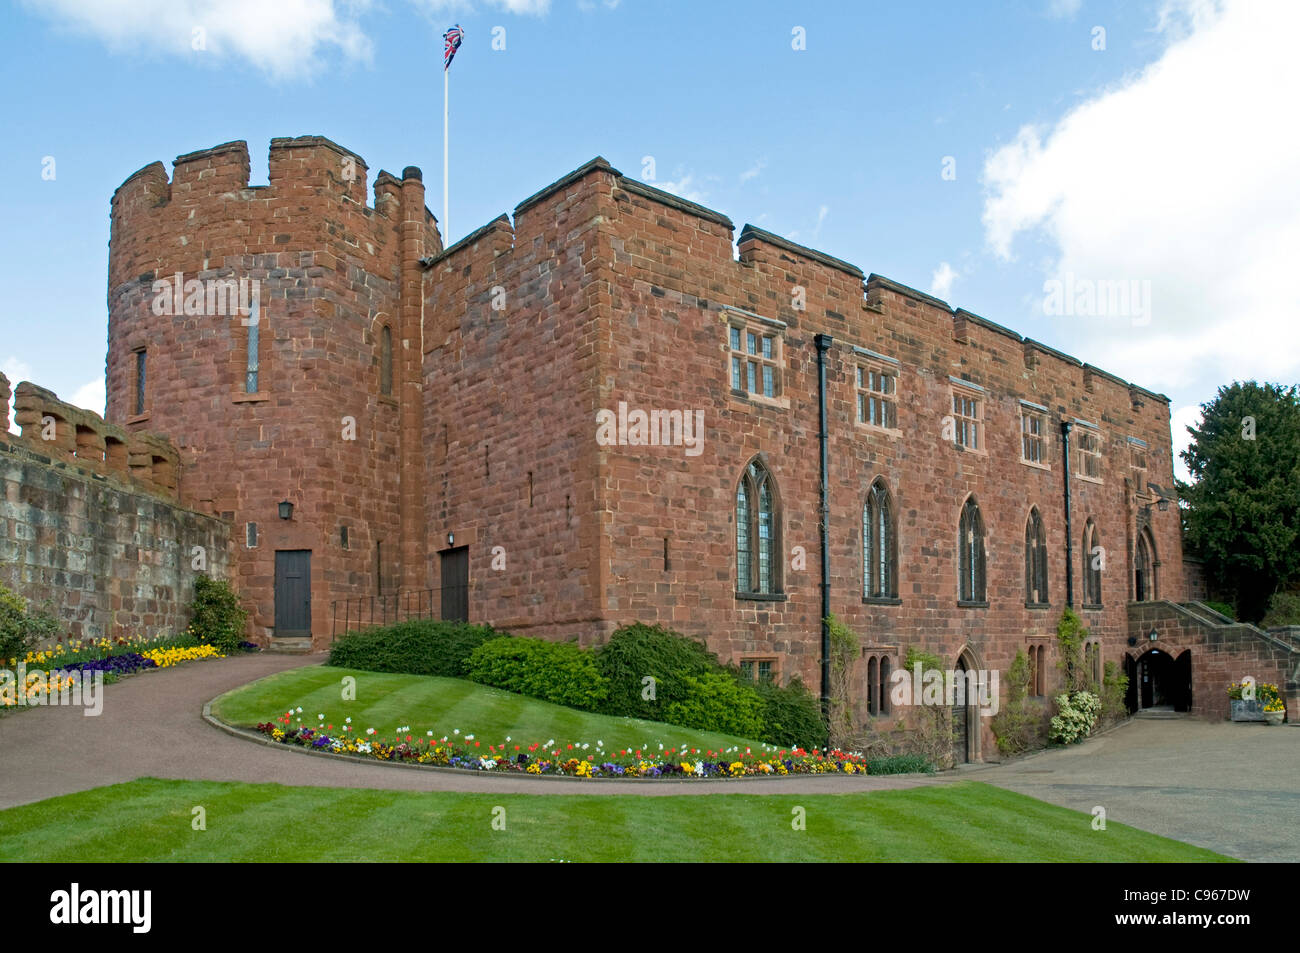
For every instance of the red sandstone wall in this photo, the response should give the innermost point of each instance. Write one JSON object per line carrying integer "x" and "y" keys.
{"x": 330, "y": 271}
{"x": 670, "y": 271}
{"x": 510, "y": 394}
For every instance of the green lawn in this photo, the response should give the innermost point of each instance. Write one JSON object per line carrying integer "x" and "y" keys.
{"x": 151, "y": 820}
{"x": 425, "y": 703}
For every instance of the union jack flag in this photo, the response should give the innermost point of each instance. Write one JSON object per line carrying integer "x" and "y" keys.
{"x": 452, "y": 38}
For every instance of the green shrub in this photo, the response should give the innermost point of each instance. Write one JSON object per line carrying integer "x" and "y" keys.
{"x": 1017, "y": 726}
{"x": 558, "y": 672}
{"x": 1071, "y": 635}
{"x": 1114, "y": 690}
{"x": 1283, "y": 609}
{"x": 717, "y": 701}
{"x": 218, "y": 618}
{"x": 1222, "y": 608}
{"x": 900, "y": 764}
{"x": 416, "y": 647}
{"x": 638, "y": 651}
{"x": 21, "y": 630}
{"x": 792, "y": 715}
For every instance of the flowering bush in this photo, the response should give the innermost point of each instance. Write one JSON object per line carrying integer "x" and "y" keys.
{"x": 584, "y": 760}
{"x": 1077, "y": 716}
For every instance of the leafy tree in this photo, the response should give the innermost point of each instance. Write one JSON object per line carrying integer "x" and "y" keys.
{"x": 1242, "y": 515}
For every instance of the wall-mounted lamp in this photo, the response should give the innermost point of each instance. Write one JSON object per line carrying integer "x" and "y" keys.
{"x": 451, "y": 539}
{"x": 1153, "y": 635}
{"x": 286, "y": 510}
{"x": 1162, "y": 498}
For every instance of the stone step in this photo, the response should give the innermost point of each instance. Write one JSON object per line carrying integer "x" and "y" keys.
{"x": 1161, "y": 714}
{"x": 290, "y": 646}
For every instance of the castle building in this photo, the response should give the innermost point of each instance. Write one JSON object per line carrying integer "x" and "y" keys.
{"x": 595, "y": 412}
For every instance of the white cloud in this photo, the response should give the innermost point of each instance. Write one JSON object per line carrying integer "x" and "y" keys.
{"x": 684, "y": 186}
{"x": 534, "y": 8}
{"x": 753, "y": 171}
{"x": 822, "y": 212}
{"x": 1184, "y": 175}
{"x": 284, "y": 39}
{"x": 90, "y": 396}
{"x": 942, "y": 279}
{"x": 16, "y": 371}
{"x": 1180, "y": 420}
{"x": 1063, "y": 9}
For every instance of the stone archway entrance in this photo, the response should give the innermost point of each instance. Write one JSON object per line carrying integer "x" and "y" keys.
{"x": 960, "y": 717}
{"x": 966, "y": 710}
{"x": 1159, "y": 679}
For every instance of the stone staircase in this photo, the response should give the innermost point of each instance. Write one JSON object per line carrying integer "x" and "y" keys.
{"x": 1222, "y": 651}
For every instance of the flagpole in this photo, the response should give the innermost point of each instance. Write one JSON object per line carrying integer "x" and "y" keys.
{"x": 445, "y": 233}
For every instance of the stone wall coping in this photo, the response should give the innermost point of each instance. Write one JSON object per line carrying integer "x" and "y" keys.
{"x": 753, "y": 233}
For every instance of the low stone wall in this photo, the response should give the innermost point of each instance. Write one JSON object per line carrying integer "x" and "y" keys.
{"x": 107, "y": 547}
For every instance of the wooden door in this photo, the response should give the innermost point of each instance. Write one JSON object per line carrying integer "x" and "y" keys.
{"x": 293, "y": 593}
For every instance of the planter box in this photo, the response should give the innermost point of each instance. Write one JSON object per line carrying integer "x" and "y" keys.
{"x": 1246, "y": 711}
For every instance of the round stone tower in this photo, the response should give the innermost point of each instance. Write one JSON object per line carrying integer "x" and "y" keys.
{"x": 273, "y": 333}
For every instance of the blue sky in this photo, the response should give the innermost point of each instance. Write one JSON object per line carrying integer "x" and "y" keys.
{"x": 1163, "y": 158}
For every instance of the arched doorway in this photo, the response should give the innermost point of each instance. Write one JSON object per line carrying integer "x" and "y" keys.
{"x": 966, "y": 702}
{"x": 961, "y": 747}
{"x": 1160, "y": 680}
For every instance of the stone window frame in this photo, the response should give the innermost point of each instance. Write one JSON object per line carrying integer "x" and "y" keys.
{"x": 1086, "y": 429}
{"x": 751, "y": 667}
{"x": 972, "y": 562}
{"x": 756, "y": 476}
{"x": 386, "y": 360}
{"x": 879, "y": 494}
{"x": 879, "y": 669}
{"x": 866, "y": 363}
{"x": 1037, "y": 412}
{"x": 1038, "y": 687}
{"x": 738, "y": 325}
{"x": 1036, "y": 570}
{"x": 1092, "y": 664}
{"x": 1137, "y": 461}
{"x": 241, "y": 332}
{"x": 1092, "y": 577}
{"x": 139, "y": 384}
{"x": 250, "y": 535}
{"x": 963, "y": 423}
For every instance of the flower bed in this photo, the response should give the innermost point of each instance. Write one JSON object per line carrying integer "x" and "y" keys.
{"x": 1252, "y": 701}
{"x": 167, "y": 657}
{"x": 580, "y": 760}
{"x": 113, "y": 657}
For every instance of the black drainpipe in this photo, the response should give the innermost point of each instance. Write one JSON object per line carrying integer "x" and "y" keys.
{"x": 823, "y": 342}
{"x": 1066, "y": 427}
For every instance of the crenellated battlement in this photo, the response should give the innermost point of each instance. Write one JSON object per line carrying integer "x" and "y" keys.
{"x": 315, "y": 200}
{"x": 70, "y": 434}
